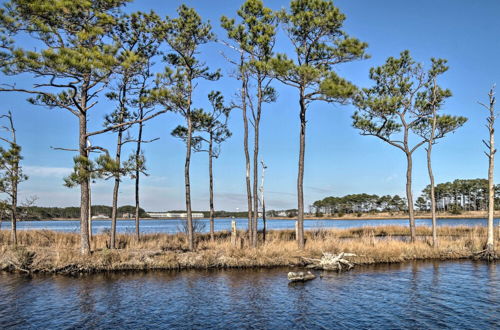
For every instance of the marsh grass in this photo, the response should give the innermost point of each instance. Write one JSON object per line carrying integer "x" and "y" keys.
{"x": 57, "y": 252}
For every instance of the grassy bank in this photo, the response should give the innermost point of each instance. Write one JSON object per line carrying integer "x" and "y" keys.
{"x": 55, "y": 252}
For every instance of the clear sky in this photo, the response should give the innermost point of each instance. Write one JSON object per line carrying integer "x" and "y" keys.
{"x": 338, "y": 160}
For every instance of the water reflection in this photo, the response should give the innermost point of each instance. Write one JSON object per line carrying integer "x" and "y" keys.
{"x": 414, "y": 295}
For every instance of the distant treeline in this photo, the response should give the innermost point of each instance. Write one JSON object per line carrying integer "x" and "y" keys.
{"x": 359, "y": 203}
{"x": 455, "y": 197}
{"x": 126, "y": 211}
{"x": 459, "y": 195}
{"x": 41, "y": 213}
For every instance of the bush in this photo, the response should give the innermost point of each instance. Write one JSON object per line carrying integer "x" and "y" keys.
{"x": 198, "y": 226}
{"x": 455, "y": 209}
{"x": 20, "y": 258}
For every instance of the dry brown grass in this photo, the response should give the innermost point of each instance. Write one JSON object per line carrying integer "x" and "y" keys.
{"x": 57, "y": 252}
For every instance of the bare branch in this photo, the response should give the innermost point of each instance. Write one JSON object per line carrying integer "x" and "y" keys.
{"x": 111, "y": 128}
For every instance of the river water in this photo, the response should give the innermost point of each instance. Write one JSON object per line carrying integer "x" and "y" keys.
{"x": 176, "y": 225}
{"x": 453, "y": 295}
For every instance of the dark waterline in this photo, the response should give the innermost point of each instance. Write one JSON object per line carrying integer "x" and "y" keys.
{"x": 454, "y": 295}
{"x": 176, "y": 225}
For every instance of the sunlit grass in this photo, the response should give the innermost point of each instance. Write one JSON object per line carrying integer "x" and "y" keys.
{"x": 59, "y": 252}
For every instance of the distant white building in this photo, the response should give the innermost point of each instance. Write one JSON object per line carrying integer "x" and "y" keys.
{"x": 173, "y": 215}
{"x": 99, "y": 216}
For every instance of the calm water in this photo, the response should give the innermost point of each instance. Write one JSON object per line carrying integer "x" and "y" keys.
{"x": 174, "y": 226}
{"x": 454, "y": 295}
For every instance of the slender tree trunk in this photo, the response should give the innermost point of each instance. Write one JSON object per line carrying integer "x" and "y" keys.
{"x": 13, "y": 211}
{"x": 263, "y": 204}
{"x": 15, "y": 184}
{"x": 263, "y": 220}
{"x": 431, "y": 179}
{"x": 256, "y": 166}
{"x": 90, "y": 206}
{"x": 137, "y": 178}
{"x": 186, "y": 177}
{"x": 114, "y": 210}
{"x": 490, "y": 246}
{"x": 433, "y": 197}
{"x": 409, "y": 197}
{"x": 211, "y": 178}
{"x": 84, "y": 187}
{"x": 247, "y": 154}
{"x": 300, "y": 177}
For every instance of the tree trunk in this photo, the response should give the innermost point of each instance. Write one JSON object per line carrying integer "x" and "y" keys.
{"x": 256, "y": 166}
{"x": 409, "y": 197}
{"x": 13, "y": 211}
{"x": 114, "y": 210}
{"x": 490, "y": 246}
{"x": 247, "y": 154}
{"x": 211, "y": 178}
{"x": 300, "y": 177}
{"x": 431, "y": 179}
{"x": 433, "y": 197}
{"x": 84, "y": 187}
{"x": 137, "y": 178}
{"x": 263, "y": 219}
{"x": 187, "y": 182}
{"x": 90, "y": 205}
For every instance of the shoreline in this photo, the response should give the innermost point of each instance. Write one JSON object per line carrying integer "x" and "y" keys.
{"x": 367, "y": 217}
{"x": 49, "y": 252}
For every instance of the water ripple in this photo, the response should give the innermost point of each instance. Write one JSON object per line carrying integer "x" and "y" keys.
{"x": 445, "y": 295}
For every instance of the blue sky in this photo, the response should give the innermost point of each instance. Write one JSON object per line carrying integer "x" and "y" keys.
{"x": 338, "y": 160}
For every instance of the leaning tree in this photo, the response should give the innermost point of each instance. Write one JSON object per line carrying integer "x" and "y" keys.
{"x": 314, "y": 28}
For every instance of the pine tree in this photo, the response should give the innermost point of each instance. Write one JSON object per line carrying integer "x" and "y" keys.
{"x": 175, "y": 87}
{"x": 315, "y": 30}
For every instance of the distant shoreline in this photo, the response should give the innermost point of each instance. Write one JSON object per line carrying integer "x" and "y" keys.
{"x": 368, "y": 217}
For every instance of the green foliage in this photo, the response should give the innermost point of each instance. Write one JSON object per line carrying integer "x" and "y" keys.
{"x": 356, "y": 203}
{"x": 83, "y": 170}
{"x": 78, "y": 49}
{"x": 185, "y": 34}
{"x": 45, "y": 213}
{"x": 138, "y": 35}
{"x": 421, "y": 204}
{"x": 403, "y": 89}
{"x": 209, "y": 128}
{"x": 255, "y": 34}
{"x": 136, "y": 164}
{"x": 11, "y": 173}
{"x": 468, "y": 194}
{"x": 315, "y": 30}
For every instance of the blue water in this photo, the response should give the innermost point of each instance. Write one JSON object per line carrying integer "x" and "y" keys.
{"x": 174, "y": 226}
{"x": 417, "y": 295}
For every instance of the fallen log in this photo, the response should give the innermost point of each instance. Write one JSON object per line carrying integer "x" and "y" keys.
{"x": 301, "y": 276}
{"x": 330, "y": 261}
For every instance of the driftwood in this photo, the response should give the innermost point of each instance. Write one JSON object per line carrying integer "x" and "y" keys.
{"x": 301, "y": 276}
{"x": 330, "y": 261}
